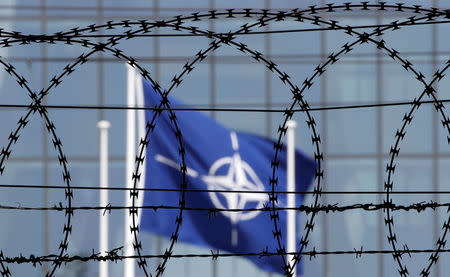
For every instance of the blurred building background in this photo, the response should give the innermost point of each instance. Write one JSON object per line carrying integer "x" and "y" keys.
{"x": 355, "y": 142}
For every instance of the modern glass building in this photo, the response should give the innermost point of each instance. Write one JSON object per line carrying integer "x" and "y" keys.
{"x": 356, "y": 142}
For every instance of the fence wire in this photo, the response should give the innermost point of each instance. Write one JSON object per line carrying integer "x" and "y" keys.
{"x": 183, "y": 25}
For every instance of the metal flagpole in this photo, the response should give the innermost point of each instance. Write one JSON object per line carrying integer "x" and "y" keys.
{"x": 129, "y": 270}
{"x": 141, "y": 125}
{"x": 103, "y": 126}
{"x": 291, "y": 222}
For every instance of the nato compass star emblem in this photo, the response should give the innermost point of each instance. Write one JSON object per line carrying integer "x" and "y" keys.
{"x": 239, "y": 177}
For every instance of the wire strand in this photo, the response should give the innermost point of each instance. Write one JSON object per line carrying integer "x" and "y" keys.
{"x": 283, "y": 31}
{"x": 326, "y": 108}
{"x": 4, "y": 186}
{"x": 212, "y": 211}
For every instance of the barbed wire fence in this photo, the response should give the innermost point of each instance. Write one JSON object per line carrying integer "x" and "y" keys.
{"x": 256, "y": 19}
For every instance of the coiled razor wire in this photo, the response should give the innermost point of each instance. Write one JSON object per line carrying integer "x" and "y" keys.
{"x": 13, "y": 138}
{"x": 264, "y": 17}
{"x": 144, "y": 142}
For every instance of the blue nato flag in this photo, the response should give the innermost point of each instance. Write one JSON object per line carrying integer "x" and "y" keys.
{"x": 219, "y": 161}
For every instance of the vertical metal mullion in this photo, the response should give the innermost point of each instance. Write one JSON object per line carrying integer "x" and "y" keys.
{"x": 100, "y": 65}
{"x": 156, "y": 72}
{"x": 100, "y": 72}
{"x": 212, "y": 66}
{"x": 268, "y": 82}
{"x": 45, "y": 155}
{"x": 156, "y": 44}
{"x": 323, "y": 102}
{"x": 435, "y": 144}
{"x": 212, "y": 89}
{"x": 379, "y": 146}
{"x": 268, "y": 76}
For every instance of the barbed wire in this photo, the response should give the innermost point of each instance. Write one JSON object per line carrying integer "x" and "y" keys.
{"x": 162, "y": 269}
{"x": 113, "y": 255}
{"x": 74, "y": 187}
{"x": 18, "y": 35}
{"x": 212, "y": 212}
{"x": 263, "y": 17}
{"x": 184, "y": 108}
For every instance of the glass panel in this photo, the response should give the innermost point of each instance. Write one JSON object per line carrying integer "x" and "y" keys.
{"x": 355, "y": 142}
{"x": 352, "y": 229}
{"x": 351, "y": 131}
{"x": 23, "y": 231}
{"x": 412, "y": 175}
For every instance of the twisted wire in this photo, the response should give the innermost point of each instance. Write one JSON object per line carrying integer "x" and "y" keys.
{"x": 264, "y": 17}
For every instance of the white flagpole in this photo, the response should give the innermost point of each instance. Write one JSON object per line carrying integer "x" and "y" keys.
{"x": 104, "y": 220}
{"x": 129, "y": 270}
{"x": 291, "y": 222}
{"x": 141, "y": 123}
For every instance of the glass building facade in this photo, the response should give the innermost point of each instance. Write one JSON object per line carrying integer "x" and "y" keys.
{"x": 356, "y": 143}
